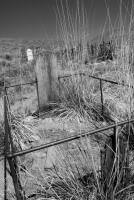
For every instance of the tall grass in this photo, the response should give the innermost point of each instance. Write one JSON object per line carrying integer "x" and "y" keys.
{"x": 83, "y": 95}
{"x": 77, "y": 175}
{"x": 120, "y": 70}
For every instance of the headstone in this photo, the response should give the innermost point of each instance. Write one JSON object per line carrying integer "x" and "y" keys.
{"x": 46, "y": 70}
{"x": 29, "y": 55}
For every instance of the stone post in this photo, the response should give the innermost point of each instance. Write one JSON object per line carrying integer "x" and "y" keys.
{"x": 46, "y": 70}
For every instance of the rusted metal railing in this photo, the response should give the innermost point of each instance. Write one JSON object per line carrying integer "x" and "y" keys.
{"x": 101, "y": 80}
{"x": 10, "y": 153}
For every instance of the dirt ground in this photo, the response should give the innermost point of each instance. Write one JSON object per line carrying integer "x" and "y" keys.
{"x": 44, "y": 130}
{"x": 48, "y": 129}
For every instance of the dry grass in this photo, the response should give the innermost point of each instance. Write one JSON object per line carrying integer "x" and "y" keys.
{"x": 76, "y": 174}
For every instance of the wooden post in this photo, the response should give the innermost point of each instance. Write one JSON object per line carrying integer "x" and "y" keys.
{"x": 111, "y": 165}
{"x": 107, "y": 162}
{"x": 46, "y": 70}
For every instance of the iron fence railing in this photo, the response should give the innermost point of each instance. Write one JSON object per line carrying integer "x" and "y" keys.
{"x": 10, "y": 154}
{"x": 68, "y": 139}
{"x": 30, "y": 83}
{"x": 97, "y": 78}
{"x": 22, "y": 84}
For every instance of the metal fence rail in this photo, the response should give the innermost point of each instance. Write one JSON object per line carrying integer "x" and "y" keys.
{"x": 10, "y": 154}
{"x": 21, "y": 84}
{"x": 68, "y": 139}
{"x": 94, "y": 77}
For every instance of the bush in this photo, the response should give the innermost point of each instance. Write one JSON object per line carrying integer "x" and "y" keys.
{"x": 23, "y": 55}
{"x": 8, "y": 57}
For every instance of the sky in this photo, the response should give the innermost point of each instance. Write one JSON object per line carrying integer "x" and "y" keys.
{"x": 36, "y": 19}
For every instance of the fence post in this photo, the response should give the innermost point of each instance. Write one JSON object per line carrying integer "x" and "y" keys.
{"x": 102, "y": 103}
{"x": 12, "y": 162}
{"x": 111, "y": 166}
{"x": 107, "y": 161}
{"x": 46, "y": 70}
{"x": 37, "y": 98}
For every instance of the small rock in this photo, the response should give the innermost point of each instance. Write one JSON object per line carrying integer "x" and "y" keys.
{"x": 39, "y": 160}
{"x": 40, "y": 155}
{"x": 51, "y": 157}
{"x": 104, "y": 124}
{"x": 71, "y": 131}
{"x": 23, "y": 146}
{"x": 35, "y": 137}
{"x": 28, "y": 119}
{"x": 73, "y": 146}
{"x": 48, "y": 120}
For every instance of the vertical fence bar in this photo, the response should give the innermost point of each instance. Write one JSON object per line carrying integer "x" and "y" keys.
{"x": 115, "y": 139}
{"x": 38, "y": 97}
{"x": 5, "y": 177}
{"x": 108, "y": 163}
{"x": 5, "y": 149}
{"x": 102, "y": 157}
{"x": 127, "y": 171}
{"x": 59, "y": 87}
{"x": 101, "y": 91}
{"x": 7, "y": 96}
{"x": 8, "y": 142}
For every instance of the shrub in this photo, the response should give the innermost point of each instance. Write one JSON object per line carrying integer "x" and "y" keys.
{"x": 23, "y": 55}
{"x": 8, "y": 57}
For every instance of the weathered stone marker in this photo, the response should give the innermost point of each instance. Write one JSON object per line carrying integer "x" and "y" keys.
{"x": 29, "y": 55}
{"x": 46, "y": 70}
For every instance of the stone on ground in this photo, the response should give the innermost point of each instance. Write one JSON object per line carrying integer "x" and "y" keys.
{"x": 51, "y": 157}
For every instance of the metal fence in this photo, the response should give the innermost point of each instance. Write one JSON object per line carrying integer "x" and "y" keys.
{"x": 101, "y": 80}
{"x": 10, "y": 153}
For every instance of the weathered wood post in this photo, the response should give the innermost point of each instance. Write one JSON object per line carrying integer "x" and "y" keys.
{"x": 107, "y": 161}
{"x": 114, "y": 162}
{"x": 46, "y": 70}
